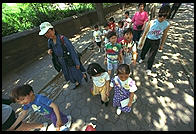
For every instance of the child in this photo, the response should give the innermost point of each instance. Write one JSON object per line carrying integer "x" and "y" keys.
{"x": 100, "y": 81}
{"x": 113, "y": 55}
{"x": 129, "y": 47}
{"x": 112, "y": 24}
{"x": 124, "y": 88}
{"x": 97, "y": 37}
{"x": 105, "y": 33}
{"x": 127, "y": 20}
{"x": 24, "y": 95}
{"x": 119, "y": 31}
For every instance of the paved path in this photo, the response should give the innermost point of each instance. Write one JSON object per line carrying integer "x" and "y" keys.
{"x": 165, "y": 101}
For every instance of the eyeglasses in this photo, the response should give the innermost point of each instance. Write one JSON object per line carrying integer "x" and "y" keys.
{"x": 162, "y": 14}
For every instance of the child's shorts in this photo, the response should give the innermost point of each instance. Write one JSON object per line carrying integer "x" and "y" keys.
{"x": 127, "y": 58}
{"x": 112, "y": 66}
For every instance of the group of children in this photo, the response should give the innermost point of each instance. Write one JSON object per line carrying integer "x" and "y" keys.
{"x": 120, "y": 53}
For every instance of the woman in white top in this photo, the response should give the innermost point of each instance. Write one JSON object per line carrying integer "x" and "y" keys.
{"x": 101, "y": 80}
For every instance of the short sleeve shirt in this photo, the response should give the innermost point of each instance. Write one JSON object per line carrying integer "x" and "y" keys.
{"x": 128, "y": 84}
{"x": 112, "y": 52}
{"x": 41, "y": 104}
{"x": 97, "y": 35}
{"x": 99, "y": 81}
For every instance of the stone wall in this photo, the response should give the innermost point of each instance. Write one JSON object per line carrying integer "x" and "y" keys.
{"x": 22, "y": 48}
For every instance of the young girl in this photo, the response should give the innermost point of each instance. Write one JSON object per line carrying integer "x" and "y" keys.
{"x": 124, "y": 88}
{"x": 100, "y": 81}
{"x": 119, "y": 31}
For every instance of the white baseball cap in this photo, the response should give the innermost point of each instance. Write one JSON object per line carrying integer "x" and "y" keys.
{"x": 44, "y": 27}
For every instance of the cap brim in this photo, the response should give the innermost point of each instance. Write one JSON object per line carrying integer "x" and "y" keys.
{"x": 43, "y": 31}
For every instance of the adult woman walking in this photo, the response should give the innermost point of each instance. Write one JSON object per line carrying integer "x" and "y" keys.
{"x": 139, "y": 20}
{"x": 157, "y": 32}
{"x": 65, "y": 54}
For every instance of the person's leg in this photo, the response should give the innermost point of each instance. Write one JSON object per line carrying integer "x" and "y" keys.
{"x": 29, "y": 126}
{"x": 145, "y": 48}
{"x": 109, "y": 67}
{"x": 134, "y": 35}
{"x": 152, "y": 54}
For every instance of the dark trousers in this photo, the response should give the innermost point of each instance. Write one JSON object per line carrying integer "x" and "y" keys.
{"x": 137, "y": 34}
{"x": 153, "y": 46}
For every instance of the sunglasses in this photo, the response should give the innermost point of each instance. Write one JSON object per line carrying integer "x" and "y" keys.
{"x": 163, "y": 14}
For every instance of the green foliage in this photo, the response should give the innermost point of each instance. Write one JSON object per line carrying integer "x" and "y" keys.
{"x": 23, "y": 16}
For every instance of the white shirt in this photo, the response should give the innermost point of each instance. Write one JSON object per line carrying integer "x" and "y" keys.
{"x": 97, "y": 35}
{"x": 127, "y": 23}
{"x": 99, "y": 81}
{"x": 105, "y": 32}
{"x": 128, "y": 84}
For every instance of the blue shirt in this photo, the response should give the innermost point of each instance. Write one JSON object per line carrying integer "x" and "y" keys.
{"x": 156, "y": 30}
{"x": 40, "y": 104}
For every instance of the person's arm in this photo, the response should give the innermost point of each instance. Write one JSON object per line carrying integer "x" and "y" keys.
{"x": 164, "y": 37}
{"x": 57, "y": 113}
{"x": 107, "y": 87}
{"x": 130, "y": 99}
{"x": 144, "y": 34}
{"x": 19, "y": 119}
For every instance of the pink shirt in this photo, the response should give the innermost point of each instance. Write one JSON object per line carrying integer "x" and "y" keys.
{"x": 139, "y": 18}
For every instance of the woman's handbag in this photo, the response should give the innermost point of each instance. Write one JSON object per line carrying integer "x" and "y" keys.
{"x": 55, "y": 62}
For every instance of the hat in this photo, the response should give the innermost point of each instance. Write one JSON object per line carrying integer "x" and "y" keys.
{"x": 44, "y": 27}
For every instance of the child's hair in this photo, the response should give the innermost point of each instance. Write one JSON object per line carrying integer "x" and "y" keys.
{"x": 144, "y": 4}
{"x": 123, "y": 69}
{"x": 94, "y": 69}
{"x": 112, "y": 19}
{"x": 127, "y": 12}
{"x": 121, "y": 22}
{"x": 128, "y": 30}
{"x": 96, "y": 26}
{"x": 110, "y": 34}
{"x": 164, "y": 9}
{"x": 106, "y": 25}
{"x": 21, "y": 91}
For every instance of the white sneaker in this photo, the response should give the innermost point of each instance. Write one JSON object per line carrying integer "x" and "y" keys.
{"x": 148, "y": 72}
{"x": 68, "y": 124}
{"x": 140, "y": 61}
{"x": 45, "y": 127}
{"x": 118, "y": 111}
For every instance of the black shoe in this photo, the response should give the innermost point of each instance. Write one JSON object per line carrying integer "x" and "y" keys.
{"x": 86, "y": 78}
{"x": 106, "y": 103}
{"x": 102, "y": 102}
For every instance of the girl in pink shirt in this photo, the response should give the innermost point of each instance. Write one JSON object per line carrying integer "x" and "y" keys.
{"x": 139, "y": 20}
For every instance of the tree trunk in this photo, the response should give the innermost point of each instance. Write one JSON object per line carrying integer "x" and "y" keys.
{"x": 100, "y": 13}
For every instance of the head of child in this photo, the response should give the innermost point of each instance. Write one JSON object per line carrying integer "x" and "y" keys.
{"x": 128, "y": 34}
{"x": 94, "y": 69}
{"x": 141, "y": 6}
{"x": 23, "y": 94}
{"x": 123, "y": 72}
{"x": 163, "y": 12}
{"x": 112, "y": 37}
{"x": 126, "y": 14}
{"x": 120, "y": 24}
{"x": 111, "y": 20}
{"x": 96, "y": 27}
{"x": 106, "y": 26}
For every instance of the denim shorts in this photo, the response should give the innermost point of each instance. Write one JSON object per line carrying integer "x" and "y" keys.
{"x": 112, "y": 66}
{"x": 127, "y": 58}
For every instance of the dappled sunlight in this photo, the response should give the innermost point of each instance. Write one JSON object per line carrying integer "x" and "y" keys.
{"x": 77, "y": 125}
{"x": 29, "y": 82}
{"x": 137, "y": 113}
{"x": 182, "y": 82}
{"x": 106, "y": 116}
{"x": 169, "y": 84}
{"x": 66, "y": 86}
{"x": 161, "y": 125}
{"x": 158, "y": 65}
{"x": 67, "y": 105}
{"x": 152, "y": 100}
{"x": 16, "y": 82}
{"x": 41, "y": 58}
{"x": 88, "y": 99}
{"x": 186, "y": 119}
{"x": 164, "y": 57}
{"x": 189, "y": 99}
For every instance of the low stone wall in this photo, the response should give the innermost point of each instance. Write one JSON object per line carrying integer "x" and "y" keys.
{"x": 22, "y": 48}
